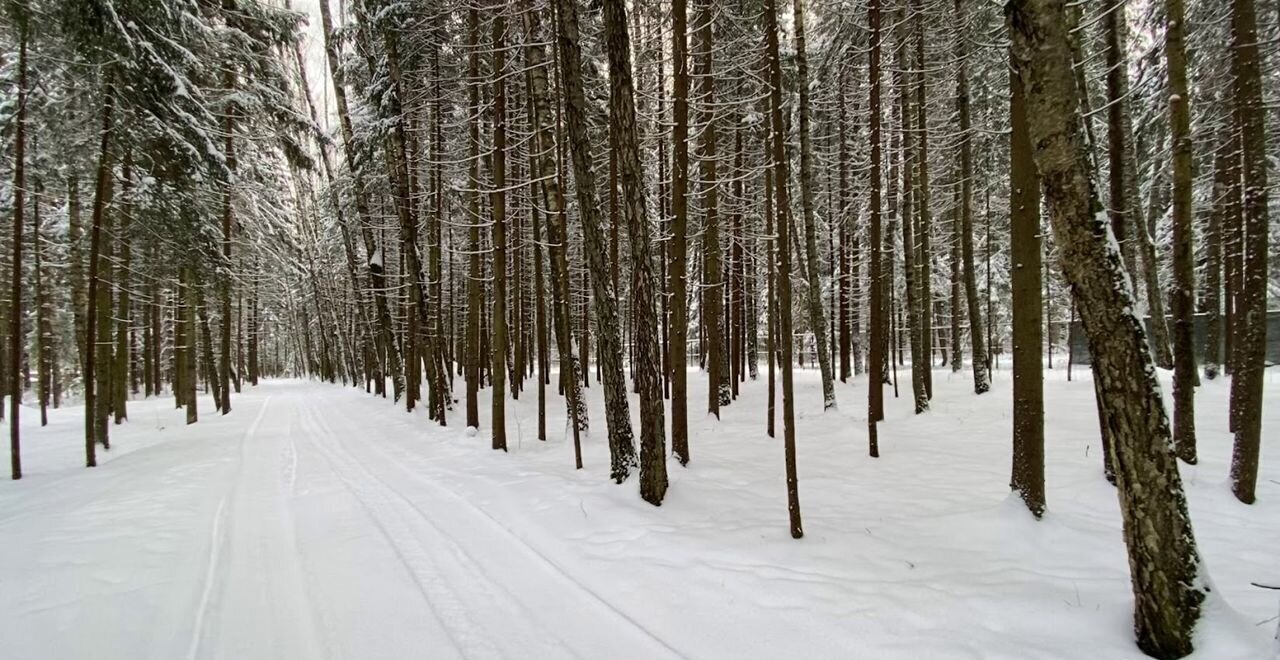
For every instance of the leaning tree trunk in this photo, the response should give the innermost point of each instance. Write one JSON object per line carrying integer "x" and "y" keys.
{"x": 387, "y": 351}
{"x": 1163, "y": 559}
{"x": 617, "y": 417}
{"x": 552, "y": 197}
{"x": 648, "y": 374}
{"x": 817, "y": 317}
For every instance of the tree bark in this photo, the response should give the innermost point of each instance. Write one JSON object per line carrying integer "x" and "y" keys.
{"x": 498, "y": 201}
{"x": 817, "y": 317}
{"x": 16, "y": 338}
{"x": 783, "y": 244}
{"x": 977, "y": 339}
{"x": 1251, "y": 322}
{"x": 876, "y": 338}
{"x": 1163, "y": 559}
{"x": 1025, "y": 267}
{"x": 648, "y": 376}
{"x": 617, "y": 417}
{"x": 1183, "y": 291}
{"x": 677, "y": 247}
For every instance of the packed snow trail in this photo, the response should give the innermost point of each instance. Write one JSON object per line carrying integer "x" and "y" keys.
{"x": 299, "y": 538}
{"x": 317, "y": 521}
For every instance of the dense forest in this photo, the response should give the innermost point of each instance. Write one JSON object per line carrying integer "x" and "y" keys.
{"x": 538, "y": 197}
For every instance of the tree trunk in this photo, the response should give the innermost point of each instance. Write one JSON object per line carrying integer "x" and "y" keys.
{"x": 677, "y": 247}
{"x": 1251, "y": 321}
{"x": 387, "y": 350}
{"x": 712, "y": 283}
{"x": 16, "y": 338}
{"x": 124, "y": 312}
{"x": 977, "y": 340}
{"x": 224, "y": 279}
{"x": 44, "y": 310}
{"x": 924, "y": 257}
{"x": 1025, "y": 266}
{"x": 876, "y": 338}
{"x": 1162, "y": 551}
{"x": 1183, "y": 291}
{"x": 1212, "y": 301}
{"x": 653, "y": 458}
{"x": 817, "y": 317}
{"x": 617, "y": 417}
{"x": 781, "y": 178}
{"x": 498, "y": 201}
{"x": 552, "y": 199}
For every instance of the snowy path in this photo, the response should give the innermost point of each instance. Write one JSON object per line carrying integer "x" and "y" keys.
{"x": 319, "y": 522}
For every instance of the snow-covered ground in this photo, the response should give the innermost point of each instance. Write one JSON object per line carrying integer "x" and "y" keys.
{"x": 320, "y": 522}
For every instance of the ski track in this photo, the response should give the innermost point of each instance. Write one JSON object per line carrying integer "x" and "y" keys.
{"x": 538, "y": 558}
{"x": 515, "y": 623}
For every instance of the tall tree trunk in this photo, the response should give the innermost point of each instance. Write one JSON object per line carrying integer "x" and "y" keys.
{"x": 387, "y": 350}
{"x": 817, "y": 317}
{"x": 224, "y": 276}
{"x": 1183, "y": 291}
{"x": 781, "y": 177}
{"x": 876, "y": 338}
{"x": 1251, "y": 322}
{"x": 499, "y": 234}
{"x": 677, "y": 268}
{"x": 1212, "y": 301}
{"x": 653, "y": 455}
{"x": 552, "y": 199}
{"x": 1162, "y": 551}
{"x": 474, "y": 283}
{"x": 44, "y": 310}
{"x": 123, "y": 313}
{"x": 977, "y": 340}
{"x": 924, "y": 257}
{"x": 910, "y": 242}
{"x": 16, "y": 338}
{"x": 75, "y": 268}
{"x": 618, "y": 419}
{"x": 712, "y": 283}
{"x": 1024, "y": 262}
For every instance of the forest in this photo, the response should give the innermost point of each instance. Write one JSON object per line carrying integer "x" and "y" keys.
{"x": 673, "y": 245}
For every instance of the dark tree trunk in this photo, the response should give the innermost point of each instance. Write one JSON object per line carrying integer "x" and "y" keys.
{"x": 16, "y": 338}
{"x": 876, "y": 337}
{"x": 1251, "y": 321}
{"x": 1183, "y": 291}
{"x": 1025, "y": 267}
{"x": 653, "y": 455}
{"x": 604, "y": 301}
{"x": 781, "y": 178}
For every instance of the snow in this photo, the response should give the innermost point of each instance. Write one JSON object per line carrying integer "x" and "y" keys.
{"x": 318, "y": 521}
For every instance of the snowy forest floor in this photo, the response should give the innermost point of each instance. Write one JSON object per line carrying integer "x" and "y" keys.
{"x": 316, "y": 521}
